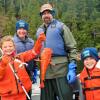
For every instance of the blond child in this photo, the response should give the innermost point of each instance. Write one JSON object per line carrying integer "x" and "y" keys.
{"x": 90, "y": 76}
{"x": 10, "y": 87}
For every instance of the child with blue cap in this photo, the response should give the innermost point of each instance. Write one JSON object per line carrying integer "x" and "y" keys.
{"x": 22, "y": 24}
{"x": 23, "y": 43}
{"x": 90, "y": 76}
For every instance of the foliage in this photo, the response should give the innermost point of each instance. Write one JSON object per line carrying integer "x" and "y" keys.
{"x": 81, "y": 16}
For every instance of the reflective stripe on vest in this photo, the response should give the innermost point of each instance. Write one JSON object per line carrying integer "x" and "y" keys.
{"x": 91, "y": 89}
{"x": 91, "y": 78}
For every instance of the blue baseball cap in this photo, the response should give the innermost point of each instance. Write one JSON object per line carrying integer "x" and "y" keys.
{"x": 90, "y": 52}
{"x": 22, "y": 24}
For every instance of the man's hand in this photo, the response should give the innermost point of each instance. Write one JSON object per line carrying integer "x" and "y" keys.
{"x": 71, "y": 76}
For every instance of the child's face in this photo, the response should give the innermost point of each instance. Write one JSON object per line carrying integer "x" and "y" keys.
{"x": 8, "y": 47}
{"x": 21, "y": 33}
{"x": 89, "y": 62}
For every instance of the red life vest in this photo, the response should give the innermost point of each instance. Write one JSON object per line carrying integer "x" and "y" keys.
{"x": 91, "y": 83}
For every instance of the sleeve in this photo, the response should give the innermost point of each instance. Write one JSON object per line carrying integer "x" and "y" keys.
{"x": 81, "y": 78}
{"x": 70, "y": 43}
{"x": 82, "y": 93}
{"x": 3, "y": 65}
{"x": 35, "y": 51}
{"x": 2, "y": 69}
{"x": 27, "y": 56}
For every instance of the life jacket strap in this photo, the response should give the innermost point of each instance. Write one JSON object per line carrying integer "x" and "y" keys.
{"x": 91, "y": 89}
{"x": 92, "y": 77}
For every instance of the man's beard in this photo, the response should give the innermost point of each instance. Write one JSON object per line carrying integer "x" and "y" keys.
{"x": 47, "y": 20}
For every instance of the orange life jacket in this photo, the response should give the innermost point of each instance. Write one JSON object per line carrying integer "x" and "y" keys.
{"x": 8, "y": 83}
{"x": 91, "y": 83}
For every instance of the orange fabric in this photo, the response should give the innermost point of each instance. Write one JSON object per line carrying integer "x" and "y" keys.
{"x": 45, "y": 61}
{"x": 6, "y": 59}
{"x": 93, "y": 94}
{"x": 4, "y": 62}
{"x": 2, "y": 70}
{"x": 8, "y": 85}
{"x": 15, "y": 97}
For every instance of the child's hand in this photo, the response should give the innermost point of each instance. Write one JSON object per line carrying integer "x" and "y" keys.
{"x": 6, "y": 59}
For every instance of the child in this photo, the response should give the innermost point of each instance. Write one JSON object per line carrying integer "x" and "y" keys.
{"x": 10, "y": 87}
{"x": 90, "y": 76}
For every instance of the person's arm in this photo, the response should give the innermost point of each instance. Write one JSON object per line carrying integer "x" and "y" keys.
{"x": 82, "y": 86}
{"x": 2, "y": 70}
{"x": 3, "y": 64}
{"x": 70, "y": 46}
{"x": 31, "y": 54}
{"x": 70, "y": 43}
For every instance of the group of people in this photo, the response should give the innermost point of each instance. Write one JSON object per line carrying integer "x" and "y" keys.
{"x": 60, "y": 75}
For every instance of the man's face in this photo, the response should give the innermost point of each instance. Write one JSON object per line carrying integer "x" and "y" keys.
{"x": 21, "y": 32}
{"x": 8, "y": 47}
{"x": 47, "y": 17}
{"x": 89, "y": 62}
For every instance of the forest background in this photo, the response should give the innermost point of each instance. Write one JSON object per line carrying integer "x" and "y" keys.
{"x": 81, "y": 16}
